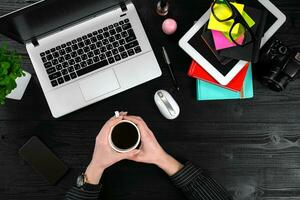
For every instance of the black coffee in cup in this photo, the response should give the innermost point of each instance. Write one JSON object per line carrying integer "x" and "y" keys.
{"x": 124, "y": 136}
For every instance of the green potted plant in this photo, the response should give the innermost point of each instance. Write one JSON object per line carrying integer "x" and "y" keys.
{"x": 13, "y": 80}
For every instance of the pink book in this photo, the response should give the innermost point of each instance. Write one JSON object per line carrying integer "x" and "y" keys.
{"x": 221, "y": 42}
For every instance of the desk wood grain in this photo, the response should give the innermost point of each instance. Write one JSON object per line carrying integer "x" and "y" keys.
{"x": 251, "y": 146}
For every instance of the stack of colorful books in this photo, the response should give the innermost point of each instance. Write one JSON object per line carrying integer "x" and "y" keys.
{"x": 207, "y": 88}
{"x": 218, "y": 38}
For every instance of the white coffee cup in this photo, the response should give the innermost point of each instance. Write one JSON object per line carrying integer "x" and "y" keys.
{"x": 124, "y": 150}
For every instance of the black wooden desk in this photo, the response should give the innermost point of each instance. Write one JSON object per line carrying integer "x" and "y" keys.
{"x": 252, "y": 146}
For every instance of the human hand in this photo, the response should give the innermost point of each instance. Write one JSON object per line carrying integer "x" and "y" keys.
{"x": 150, "y": 151}
{"x": 104, "y": 156}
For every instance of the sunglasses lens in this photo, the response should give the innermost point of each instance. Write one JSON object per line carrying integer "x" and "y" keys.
{"x": 222, "y": 11}
{"x": 240, "y": 34}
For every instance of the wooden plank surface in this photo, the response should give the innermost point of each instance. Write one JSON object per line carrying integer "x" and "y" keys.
{"x": 251, "y": 146}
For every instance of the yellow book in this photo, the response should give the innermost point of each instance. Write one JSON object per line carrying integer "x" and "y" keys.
{"x": 214, "y": 24}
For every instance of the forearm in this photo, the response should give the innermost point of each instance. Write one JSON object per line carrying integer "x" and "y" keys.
{"x": 93, "y": 174}
{"x": 169, "y": 164}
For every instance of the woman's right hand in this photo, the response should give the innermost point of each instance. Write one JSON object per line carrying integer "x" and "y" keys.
{"x": 150, "y": 151}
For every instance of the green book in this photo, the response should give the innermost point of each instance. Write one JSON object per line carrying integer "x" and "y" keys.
{"x": 207, "y": 91}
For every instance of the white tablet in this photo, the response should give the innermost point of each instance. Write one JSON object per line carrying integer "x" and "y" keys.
{"x": 275, "y": 20}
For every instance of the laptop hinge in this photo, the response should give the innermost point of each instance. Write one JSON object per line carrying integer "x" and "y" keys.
{"x": 35, "y": 42}
{"x": 123, "y": 6}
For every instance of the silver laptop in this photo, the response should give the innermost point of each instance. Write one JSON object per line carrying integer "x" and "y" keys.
{"x": 83, "y": 51}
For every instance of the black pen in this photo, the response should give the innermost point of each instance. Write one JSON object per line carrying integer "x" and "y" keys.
{"x": 168, "y": 62}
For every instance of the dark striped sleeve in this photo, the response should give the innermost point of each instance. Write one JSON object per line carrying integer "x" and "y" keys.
{"x": 192, "y": 181}
{"x": 79, "y": 194}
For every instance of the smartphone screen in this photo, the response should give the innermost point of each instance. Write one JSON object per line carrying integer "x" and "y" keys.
{"x": 41, "y": 158}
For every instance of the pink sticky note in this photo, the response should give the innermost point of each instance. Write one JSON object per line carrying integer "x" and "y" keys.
{"x": 221, "y": 42}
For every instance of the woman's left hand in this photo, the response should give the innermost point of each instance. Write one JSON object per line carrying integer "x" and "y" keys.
{"x": 104, "y": 156}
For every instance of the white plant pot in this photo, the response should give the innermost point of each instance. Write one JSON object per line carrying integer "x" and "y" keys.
{"x": 19, "y": 91}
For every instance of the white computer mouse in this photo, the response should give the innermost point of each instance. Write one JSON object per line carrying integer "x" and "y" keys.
{"x": 166, "y": 104}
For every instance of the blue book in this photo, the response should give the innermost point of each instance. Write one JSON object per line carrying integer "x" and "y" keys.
{"x": 208, "y": 91}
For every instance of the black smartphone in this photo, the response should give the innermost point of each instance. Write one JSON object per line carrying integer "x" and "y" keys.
{"x": 43, "y": 160}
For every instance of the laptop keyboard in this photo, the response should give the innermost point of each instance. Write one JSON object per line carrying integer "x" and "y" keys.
{"x": 90, "y": 52}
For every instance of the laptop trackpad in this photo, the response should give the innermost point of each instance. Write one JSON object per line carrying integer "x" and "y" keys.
{"x": 99, "y": 84}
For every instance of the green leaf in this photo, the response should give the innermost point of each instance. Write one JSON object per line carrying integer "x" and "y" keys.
{"x": 5, "y": 81}
{"x": 4, "y": 68}
{"x": 10, "y": 70}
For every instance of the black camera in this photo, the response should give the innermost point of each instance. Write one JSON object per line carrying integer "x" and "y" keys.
{"x": 278, "y": 65}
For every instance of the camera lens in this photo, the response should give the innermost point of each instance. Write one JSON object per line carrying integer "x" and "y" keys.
{"x": 276, "y": 86}
{"x": 284, "y": 82}
{"x": 271, "y": 75}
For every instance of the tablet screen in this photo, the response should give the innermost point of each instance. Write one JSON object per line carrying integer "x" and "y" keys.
{"x": 200, "y": 46}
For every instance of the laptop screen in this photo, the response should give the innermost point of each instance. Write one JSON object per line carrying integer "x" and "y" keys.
{"x": 46, "y": 16}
